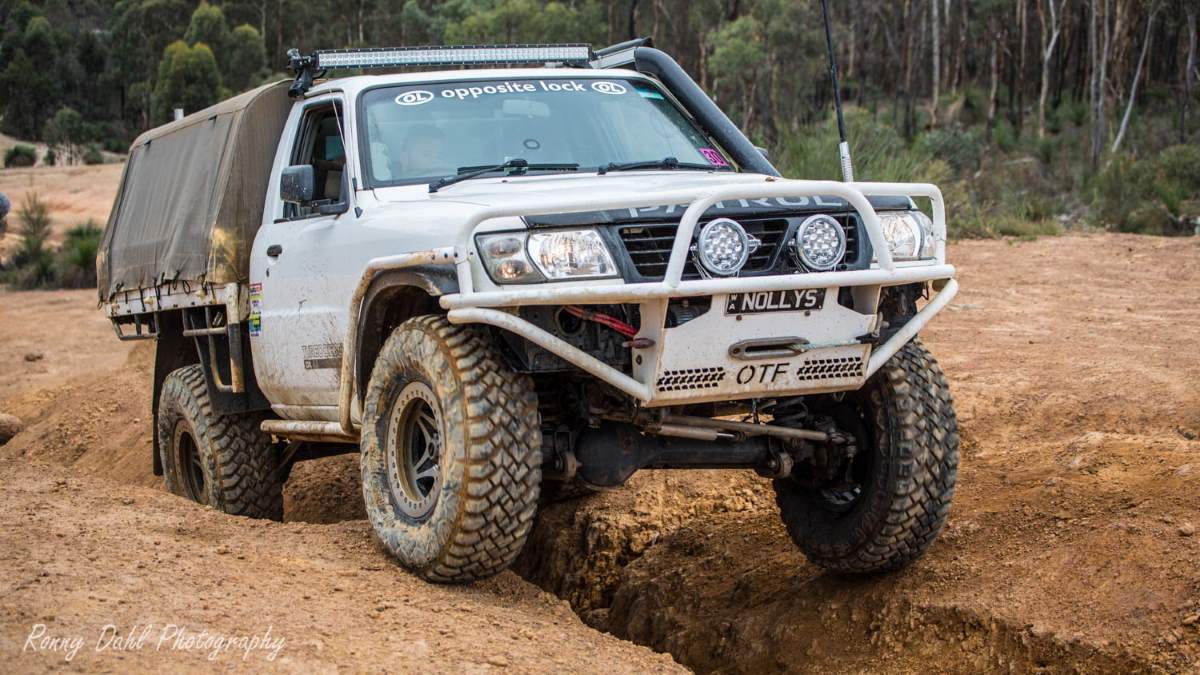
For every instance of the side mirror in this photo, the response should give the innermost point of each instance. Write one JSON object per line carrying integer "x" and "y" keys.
{"x": 763, "y": 151}
{"x": 297, "y": 184}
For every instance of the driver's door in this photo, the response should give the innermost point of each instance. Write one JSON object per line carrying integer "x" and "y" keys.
{"x": 298, "y": 321}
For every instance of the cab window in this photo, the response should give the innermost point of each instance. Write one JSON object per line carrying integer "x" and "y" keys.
{"x": 319, "y": 143}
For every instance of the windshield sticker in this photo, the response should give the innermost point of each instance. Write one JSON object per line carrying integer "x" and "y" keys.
{"x": 713, "y": 157}
{"x": 414, "y": 97}
{"x": 570, "y": 86}
{"x": 613, "y": 88}
{"x": 650, "y": 93}
{"x": 422, "y": 96}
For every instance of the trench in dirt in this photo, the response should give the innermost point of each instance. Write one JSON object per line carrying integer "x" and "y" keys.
{"x": 697, "y": 565}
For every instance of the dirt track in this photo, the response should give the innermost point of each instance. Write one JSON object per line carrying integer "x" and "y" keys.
{"x": 1071, "y": 544}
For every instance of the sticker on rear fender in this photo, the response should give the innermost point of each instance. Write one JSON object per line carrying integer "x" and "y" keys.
{"x": 758, "y": 302}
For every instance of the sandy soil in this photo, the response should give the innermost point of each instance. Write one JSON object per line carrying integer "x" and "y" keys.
{"x": 1071, "y": 545}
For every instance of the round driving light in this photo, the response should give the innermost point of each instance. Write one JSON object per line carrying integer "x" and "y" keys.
{"x": 820, "y": 243}
{"x": 723, "y": 247}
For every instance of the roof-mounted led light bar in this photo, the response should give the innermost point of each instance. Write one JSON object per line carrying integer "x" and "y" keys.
{"x": 310, "y": 66}
{"x": 452, "y": 56}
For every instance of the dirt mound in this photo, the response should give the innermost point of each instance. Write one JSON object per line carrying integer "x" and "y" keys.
{"x": 96, "y": 425}
{"x": 109, "y": 553}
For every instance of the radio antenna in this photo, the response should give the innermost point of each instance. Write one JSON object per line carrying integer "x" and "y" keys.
{"x": 843, "y": 146}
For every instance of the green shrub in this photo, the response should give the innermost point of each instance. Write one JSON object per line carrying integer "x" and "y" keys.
{"x": 1054, "y": 122}
{"x": 961, "y": 149}
{"x": 33, "y": 264}
{"x": 879, "y": 151}
{"x": 20, "y": 156}
{"x": 1181, "y": 164}
{"x": 1149, "y": 218}
{"x": 77, "y": 258}
{"x": 1025, "y": 228}
{"x": 1149, "y": 196}
{"x": 1120, "y": 188}
{"x": 50, "y": 158}
{"x": 1075, "y": 111}
{"x": 1046, "y": 149}
{"x": 1004, "y": 136}
{"x": 93, "y": 155}
{"x": 1033, "y": 207}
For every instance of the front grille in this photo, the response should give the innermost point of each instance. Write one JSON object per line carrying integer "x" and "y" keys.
{"x": 649, "y": 246}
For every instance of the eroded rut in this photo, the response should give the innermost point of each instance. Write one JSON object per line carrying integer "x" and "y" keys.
{"x": 721, "y": 590}
{"x": 1071, "y": 545}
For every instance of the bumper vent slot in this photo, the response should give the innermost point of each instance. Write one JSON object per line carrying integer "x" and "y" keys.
{"x": 831, "y": 369}
{"x": 691, "y": 378}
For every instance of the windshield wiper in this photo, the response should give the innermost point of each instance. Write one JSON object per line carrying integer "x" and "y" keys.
{"x": 664, "y": 163}
{"x": 518, "y": 166}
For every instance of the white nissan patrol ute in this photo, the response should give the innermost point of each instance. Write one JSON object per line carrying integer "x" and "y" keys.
{"x": 496, "y": 283}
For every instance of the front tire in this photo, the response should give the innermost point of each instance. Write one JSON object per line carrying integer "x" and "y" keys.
{"x": 904, "y": 474}
{"x": 451, "y": 452}
{"x": 223, "y": 461}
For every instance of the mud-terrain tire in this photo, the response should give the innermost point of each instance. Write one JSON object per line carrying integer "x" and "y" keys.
{"x": 903, "y": 499}
{"x": 451, "y": 452}
{"x": 224, "y": 461}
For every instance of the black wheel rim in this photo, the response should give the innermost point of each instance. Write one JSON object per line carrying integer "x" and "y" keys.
{"x": 847, "y": 490}
{"x": 191, "y": 469}
{"x": 414, "y": 450}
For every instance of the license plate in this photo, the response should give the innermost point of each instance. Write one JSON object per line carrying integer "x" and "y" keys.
{"x": 775, "y": 301}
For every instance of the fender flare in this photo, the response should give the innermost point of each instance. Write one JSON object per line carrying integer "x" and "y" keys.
{"x": 393, "y": 297}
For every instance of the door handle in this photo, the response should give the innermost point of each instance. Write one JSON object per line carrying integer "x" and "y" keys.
{"x": 274, "y": 251}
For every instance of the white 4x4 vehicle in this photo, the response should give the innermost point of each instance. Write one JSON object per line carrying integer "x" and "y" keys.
{"x": 495, "y": 283}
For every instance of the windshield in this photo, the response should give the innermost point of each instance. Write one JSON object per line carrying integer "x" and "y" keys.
{"x": 419, "y": 132}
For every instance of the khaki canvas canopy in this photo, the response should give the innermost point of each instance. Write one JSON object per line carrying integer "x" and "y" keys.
{"x": 192, "y": 193}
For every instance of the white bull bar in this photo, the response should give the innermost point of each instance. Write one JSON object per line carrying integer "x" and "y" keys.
{"x": 471, "y": 306}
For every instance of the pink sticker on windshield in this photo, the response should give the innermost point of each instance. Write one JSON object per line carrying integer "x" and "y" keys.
{"x": 713, "y": 157}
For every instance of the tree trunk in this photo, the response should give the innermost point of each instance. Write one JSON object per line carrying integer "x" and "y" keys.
{"x": 1099, "y": 56}
{"x": 909, "y": 33}
{"x": 998, "y": 40}
{"x": 1022, "y": 19}
{"x": 936, "y": 76}
{"x": 1050, "y": 35}
{"x": 1137, "y": 74}
{"x": 279, "y": 51}
{"x": 1189, "y": 73}
{"x": 960, "y": 59}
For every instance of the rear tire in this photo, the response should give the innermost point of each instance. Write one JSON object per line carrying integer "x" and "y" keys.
{"x": 905, "y": 480}
{"x": 223, "y": 461}
{"x": 451, "y": 452}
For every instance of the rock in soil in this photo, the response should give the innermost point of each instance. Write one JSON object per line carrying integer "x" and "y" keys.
{"x": 10, "y": 425}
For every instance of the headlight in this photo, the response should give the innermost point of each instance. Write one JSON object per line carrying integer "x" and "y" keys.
{"x": 820, "y": 243}
{"x": 575, "y": 254}
{"x": 532, "y": 257}
{"x": 909, "y": 235}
